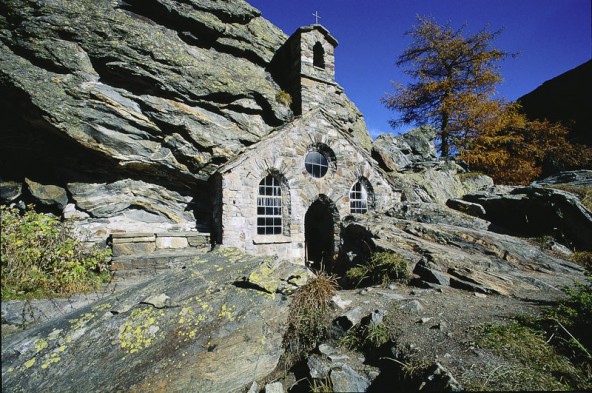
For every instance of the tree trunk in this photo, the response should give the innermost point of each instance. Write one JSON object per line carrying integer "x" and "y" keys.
{"x": 444, "y": 136}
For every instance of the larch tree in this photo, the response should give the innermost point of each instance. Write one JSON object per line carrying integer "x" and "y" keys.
{"x": 514, "y": 150}
{"x": 453, "y": 81}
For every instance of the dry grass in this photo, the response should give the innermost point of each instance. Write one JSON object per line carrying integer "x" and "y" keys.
{"x": 583, "y": 258}
{"x": 382, "y": 269}
{"x": 309, "y": 313}
{"x": 530, "y": 361}
{"x": 284, "y": 98}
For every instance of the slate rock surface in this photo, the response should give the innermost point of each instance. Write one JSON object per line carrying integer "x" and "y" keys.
{"x": 187, "y": 329}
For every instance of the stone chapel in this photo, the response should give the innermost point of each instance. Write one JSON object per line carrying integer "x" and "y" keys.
{"x": 287, "y": 194}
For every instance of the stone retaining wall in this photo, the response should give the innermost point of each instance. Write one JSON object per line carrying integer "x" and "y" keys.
{"x": 136, "y": 243}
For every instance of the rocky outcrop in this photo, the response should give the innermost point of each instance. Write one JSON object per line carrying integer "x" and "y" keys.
{"x": 158, "y": 92}
{"x": 468, "y": 258}
{"x": 198, "y": 329}
{"x": 411, "y": 161}
{"x": 537, "y": 211}
{"x": 438, "y": 181}
{"x": 582, "y": 178}
{"x": 395, "y": 153}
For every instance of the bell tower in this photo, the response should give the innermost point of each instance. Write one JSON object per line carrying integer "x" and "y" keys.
{"x": 305, "y": 67}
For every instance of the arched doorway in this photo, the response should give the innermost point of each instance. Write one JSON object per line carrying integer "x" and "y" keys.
{"x": 319, "y": 233}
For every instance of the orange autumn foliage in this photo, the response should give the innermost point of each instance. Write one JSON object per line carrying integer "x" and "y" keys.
{"x": 513, "y": 150}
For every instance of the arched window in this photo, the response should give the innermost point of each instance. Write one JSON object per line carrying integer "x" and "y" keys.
{"x": 318, "y": 55}
{"x": 269, "y": 207}
{"x": 358, "y": 198}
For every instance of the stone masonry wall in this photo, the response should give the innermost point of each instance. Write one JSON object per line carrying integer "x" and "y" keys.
{"x": 284, "y": 152}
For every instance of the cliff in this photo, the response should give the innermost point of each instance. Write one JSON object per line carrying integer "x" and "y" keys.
{"x": 139, "y": 101}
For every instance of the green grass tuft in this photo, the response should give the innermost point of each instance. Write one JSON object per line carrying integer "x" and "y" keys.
{"x": 382, "y": 269}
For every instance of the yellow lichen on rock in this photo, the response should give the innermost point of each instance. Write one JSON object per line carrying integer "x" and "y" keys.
{"x": 29, "y": 363}
{"x": 226, "y": 312}
{"x": 140, "y": 330}
{"x": 188, "y": 318}
{"x": 102, "y": 307}
{"x": 40, "y": 344}
{"x": 53, "y": 358}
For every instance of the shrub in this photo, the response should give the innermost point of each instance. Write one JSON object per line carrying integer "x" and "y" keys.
{"x": 382, "y": 269}
{"x": 41, "y": 257}
{"x": 309, "y": 313}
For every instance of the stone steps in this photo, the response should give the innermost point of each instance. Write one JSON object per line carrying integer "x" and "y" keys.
{"x": 140, "y": 267}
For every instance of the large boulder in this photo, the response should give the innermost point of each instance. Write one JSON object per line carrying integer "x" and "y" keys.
{"x": 48, "y": 195}
{"x": 537, "y": 211}
{"x": 194, "y": 329}
{"x": 438, "y": 181}
{"x": 412, "y": 162}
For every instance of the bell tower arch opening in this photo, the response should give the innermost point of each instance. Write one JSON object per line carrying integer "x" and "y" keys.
{"x": 318, "y": 56}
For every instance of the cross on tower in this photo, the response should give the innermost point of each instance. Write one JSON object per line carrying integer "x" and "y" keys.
{"x": 317, "y": 17}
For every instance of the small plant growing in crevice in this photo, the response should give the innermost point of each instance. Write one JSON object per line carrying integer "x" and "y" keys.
{"x": 321, "y": 386}
{"x": 371, "y": 335}
{"x": 583, "y": 258}
{"x": 309, "y": 314}
{"x": 381, "y": 269}
{"x": 284, "y": 98}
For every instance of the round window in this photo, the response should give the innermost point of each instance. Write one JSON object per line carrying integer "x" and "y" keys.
{"x": 316, "y": 164}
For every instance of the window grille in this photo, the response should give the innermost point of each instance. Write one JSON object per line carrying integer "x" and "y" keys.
{"x": 269, "y": 207}
{"x": 316, "y": 164}
{"x": 358, "y": 199}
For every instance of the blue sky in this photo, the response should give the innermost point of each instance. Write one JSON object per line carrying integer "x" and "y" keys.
{"x": 552, "y": 36}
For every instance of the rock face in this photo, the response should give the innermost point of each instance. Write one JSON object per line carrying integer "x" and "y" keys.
{"x": 197, "y": 329}
{"x": 158, "y": 93}
{"x": 573, "y": 178}
{"x": 412, "y": 162}
{"x": 563, "y": 99}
